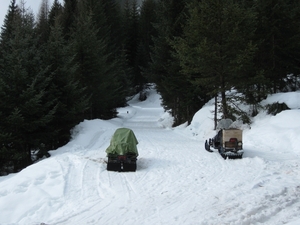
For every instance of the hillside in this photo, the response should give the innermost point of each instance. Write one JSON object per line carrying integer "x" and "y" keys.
{"x": 176, "y": 182}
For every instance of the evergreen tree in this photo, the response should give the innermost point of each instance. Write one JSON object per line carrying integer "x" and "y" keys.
{"x": 70, "y": 98}
{"x": 106, "y": 17}
{"x": 55, "y": 13}
{"x": 113, "y": 14}
{"x": 69, "y": 17}
{"x": 216, "y": 48}
{"x": 292, "y": 51}
{"x": 6, "y": 150}
{"x": 277, "y": 35}
{"x": 43, "y": 26}
{"x": 131, "y": 42}
{"x": 24, "y": 111}
{"x": 147, "y": 32}
{"x": 177, "y": 93}
{"x": 7, "y": 26}
{"x": 95, "y": 67}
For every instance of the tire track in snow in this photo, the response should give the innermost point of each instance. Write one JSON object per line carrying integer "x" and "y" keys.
{"x": 90, "y": 182}
{"x": 210, "y": 180}
{"x": 249, "y": 207}
{"x": 264, "y": 211}
{"x": 178, "y": 182}
{"x": 81, "y": 190}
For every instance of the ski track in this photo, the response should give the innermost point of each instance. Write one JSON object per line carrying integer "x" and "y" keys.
{"x": 156, "y": 192}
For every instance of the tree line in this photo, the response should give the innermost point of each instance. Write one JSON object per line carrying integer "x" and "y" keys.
{"x": 82, "y": 59}
{"x": 204, "y": 49}
{"x": 72, "y": 62}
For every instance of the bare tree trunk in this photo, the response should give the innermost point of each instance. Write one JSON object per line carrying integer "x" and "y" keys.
{"x": 223, "y": 97}
{"x": 216, "y": 112}
{"x": 224, "y": 105}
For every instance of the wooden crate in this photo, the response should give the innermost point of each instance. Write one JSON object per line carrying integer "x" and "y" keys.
{"x": 232, "y": 133}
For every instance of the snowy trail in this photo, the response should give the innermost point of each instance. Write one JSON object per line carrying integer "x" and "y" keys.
{"x": 176, "y": 182}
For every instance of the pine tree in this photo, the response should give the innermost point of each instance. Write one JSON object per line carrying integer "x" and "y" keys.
{"x": 216, "y": 47}
{"x": 132, "y": 41}
{"x": 106, "y": 19}
{"x": 7, "y": 27}
{"x": 146, "y": 32}
{"x": 6, "y": 150}
{"x": 113, "y": 14}
{"x": 55, "y": 13}
{"x": 277, "y": 36}
{"x": 292, "y": 50}
{"x": 96, "y": 67}
{"x": 24, "y": 111}
{"x": 69, "y": 17}
{"x": 43, "y": 26}
{"x": 177, "y": 92}
{"x": 64, "y": 89}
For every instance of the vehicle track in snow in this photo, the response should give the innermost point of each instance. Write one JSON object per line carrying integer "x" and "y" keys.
{"x": 177, "y": 182}
{"x": 174, "y": 182}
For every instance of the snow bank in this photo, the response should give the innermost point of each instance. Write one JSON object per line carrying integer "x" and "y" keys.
{"x": 291, "y": 99}
{"x": 202, "y": 124}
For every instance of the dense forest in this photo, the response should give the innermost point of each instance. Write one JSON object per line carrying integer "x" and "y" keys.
{"x": 83, "y": 59}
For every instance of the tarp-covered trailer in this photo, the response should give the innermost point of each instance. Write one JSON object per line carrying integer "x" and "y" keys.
{"x": 122, "y": 153}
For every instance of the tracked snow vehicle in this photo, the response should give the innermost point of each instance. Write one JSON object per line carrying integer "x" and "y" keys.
{"x": 228, "y": 141}
{"x": 122, "y": 152}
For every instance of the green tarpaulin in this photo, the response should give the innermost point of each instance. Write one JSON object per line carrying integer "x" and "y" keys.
{"x": 123, "y": 142}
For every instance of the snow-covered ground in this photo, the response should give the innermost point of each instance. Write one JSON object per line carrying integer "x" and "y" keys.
{"x": 176, "y": 182}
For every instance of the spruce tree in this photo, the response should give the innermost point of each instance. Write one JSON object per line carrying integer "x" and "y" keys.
{"x": 9, "y": 17}
{"x": 277, "y": 36}
{"x": 43, "y": 26}
{"x": 146, "y": 32}
{"x": 132, "y": 41}
{"x": 96, "y": 67}
{"x": 113, "y": 14}
{"x": 55, "y": 13}
{"x": 106, "y": 19}
{"x": 69, "y": 17}
{"x": 64, "y": 89}
{"x": 24, "y": 111}
{"x": 176, "y": 90}
{"x": 216, "y": 47}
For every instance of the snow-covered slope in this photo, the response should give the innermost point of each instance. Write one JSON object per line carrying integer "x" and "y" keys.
{"x": 176, "y": 182}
